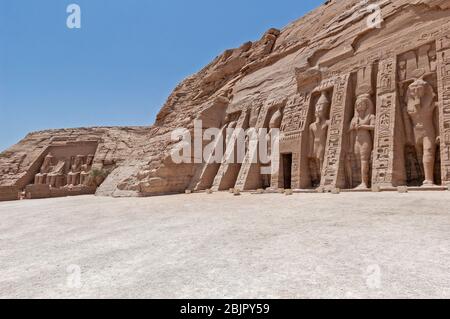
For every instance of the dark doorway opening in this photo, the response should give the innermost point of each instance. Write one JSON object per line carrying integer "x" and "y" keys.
{"x": 287, "y": 170}
{"x": 437, "y": 167}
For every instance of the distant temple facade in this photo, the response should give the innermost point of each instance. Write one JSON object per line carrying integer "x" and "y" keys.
{"x": 359, "y": 108}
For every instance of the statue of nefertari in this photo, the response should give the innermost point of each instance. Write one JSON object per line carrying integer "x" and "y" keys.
{"x": 361, "y": 138}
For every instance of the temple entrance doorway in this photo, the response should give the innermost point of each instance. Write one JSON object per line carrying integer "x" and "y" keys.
{"x": 287, "y": 170}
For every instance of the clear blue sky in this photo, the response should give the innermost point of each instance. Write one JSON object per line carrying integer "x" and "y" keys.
{"x": 119, "y": 68}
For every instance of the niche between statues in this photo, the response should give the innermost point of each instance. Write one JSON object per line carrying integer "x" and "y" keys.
{"x": 417, "y": 87}
{"x": 359, "y": 134}
{"x": 318, "y": 122}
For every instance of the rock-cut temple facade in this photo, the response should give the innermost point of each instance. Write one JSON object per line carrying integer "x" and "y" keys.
{"x": 360, "y": 91}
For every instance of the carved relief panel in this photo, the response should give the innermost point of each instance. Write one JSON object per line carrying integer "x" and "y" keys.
{"x": 333, "y": 173}
{"x": 295, "y": 114}
{"x": 384, "y": 141}
{"x": 443, "y": 62}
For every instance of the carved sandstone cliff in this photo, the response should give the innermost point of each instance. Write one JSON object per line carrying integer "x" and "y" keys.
{"x": 362, "y": 98}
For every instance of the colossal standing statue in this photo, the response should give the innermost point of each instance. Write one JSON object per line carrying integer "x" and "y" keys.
{"x": 361, "y": 138}
{"x": 421, "y": 109}
{"x": 318, "y": 136}
{"x": 274, "y": 124}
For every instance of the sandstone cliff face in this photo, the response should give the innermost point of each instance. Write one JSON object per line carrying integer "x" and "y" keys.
{"x": 116, "y": 146}
{"x": 333, "y": 40}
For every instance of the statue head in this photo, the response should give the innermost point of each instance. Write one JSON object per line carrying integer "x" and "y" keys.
{"x": 364, "y": 105}
{"x": 420, "y": 91}
{"x": 78, "y": 160}
{"x": 48, "y": 160}
{"x": 418, "y": 88}
{"x": 322, "y": 106}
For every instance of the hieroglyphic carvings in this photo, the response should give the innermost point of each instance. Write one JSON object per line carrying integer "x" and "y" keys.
{"x": 333, "y": 165}
{"x": 327, "y": 83}
{"x": 385, "y": 123}
{"x": 443, "y": 61}
{"x": 384, "y": 140}
{"x": 443, "y": 43}
{"x": 367, "y": 60}
{"x": 295, "y": 114}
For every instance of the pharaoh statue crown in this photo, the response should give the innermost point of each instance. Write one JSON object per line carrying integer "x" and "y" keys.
{"x": 323, "y": 99}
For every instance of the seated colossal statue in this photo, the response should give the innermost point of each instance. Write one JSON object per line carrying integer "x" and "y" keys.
{"x": 55, "y": 177}
{"x": 86, "y": 170}
{"x": 41, "y": 177}
{"x": 361, "y": 136}
{"x": 73, "y": 178}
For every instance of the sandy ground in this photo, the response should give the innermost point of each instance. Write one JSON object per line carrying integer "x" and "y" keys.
{"x": 369, "y": 245}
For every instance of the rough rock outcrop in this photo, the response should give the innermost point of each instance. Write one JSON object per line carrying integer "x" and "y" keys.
{"x": 348, "y": 83}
